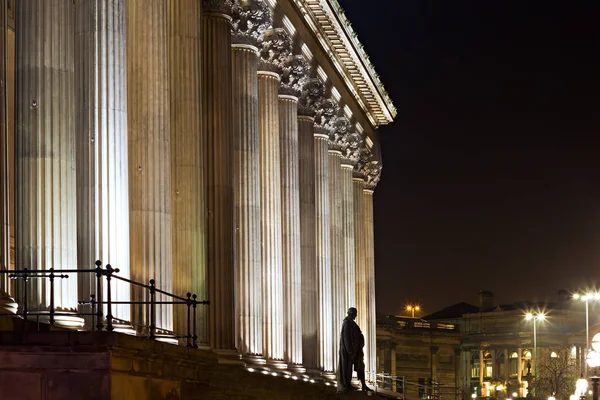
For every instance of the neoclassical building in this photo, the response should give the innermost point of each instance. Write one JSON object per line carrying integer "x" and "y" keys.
{"x": 228, "y": 149}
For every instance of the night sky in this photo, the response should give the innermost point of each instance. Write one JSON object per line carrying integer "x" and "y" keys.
{"x": 491, "y": 170}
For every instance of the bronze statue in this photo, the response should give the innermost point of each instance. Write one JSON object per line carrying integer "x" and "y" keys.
{"x": 351, "y": 354}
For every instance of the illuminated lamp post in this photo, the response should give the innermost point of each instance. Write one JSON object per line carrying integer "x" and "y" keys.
{"x": 586, "y": 298}
{"x": 535, "y": 317}
{"x": 581, "y": 387}
{"x": 412, "y": 308}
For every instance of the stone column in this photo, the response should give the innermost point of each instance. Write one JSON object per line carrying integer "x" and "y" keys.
{"x": 322, "y": 221}
{"x": 101, "y": 126}
{"x": 276, "y": 47}
{"x": 187, "y": 161}
{"x": 217, "y": 126}
{"x": 148, "y": 119}
{"x": 372, "y": 171}
{"x": 348, "y": 231}
{"x": 338, "y": 278}
{"x": 249, "y": 22}
{"x": 359, "y": 249}
{"x": 45, "y": 148}
{"x": 270, "y": 170}
{"x": 306, "y": 157}
{"x": 295, "y": 74}
{"x": 290, "y": 205}
{"x": 7, "y": 303}
{"x": 312, "y": 94}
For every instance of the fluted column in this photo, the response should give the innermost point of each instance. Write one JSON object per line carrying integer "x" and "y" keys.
{"x": 338, "y": 277}
{"x": 306, "y": 150}
{"x": 290, "y": 206}
{"x": 369, "y": 329}
{"x": 45, "y": 147}
{"x": 148, "y": 121}
{"x": 247, "y": 199}
{"x": 270, "y": 170}
{"x": 187, "y": 160}
{"x": 349, "y": 262}
{"x": 7, "y": 304}
{"x": 359, "y": 251}
{"x": 322, "y": 221}
{"x": 217, "y": 126}
{"x": 101, "y": 124}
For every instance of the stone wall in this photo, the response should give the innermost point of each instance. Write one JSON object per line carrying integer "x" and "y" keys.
{"x": 102, "y": 365}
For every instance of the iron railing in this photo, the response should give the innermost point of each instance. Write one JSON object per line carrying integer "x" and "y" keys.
{"x": 98, "y": 320}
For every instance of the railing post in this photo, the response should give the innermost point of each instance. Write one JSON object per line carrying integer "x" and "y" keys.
{"x": 51, "y": 276}
{"x": 189, "y": 305}
{"x": 152, "y": 309}
{"x": 25, "y": 295}
{"x": 99, "y": 325}
{"x": 194, "y": 336}
{"x": 109, "y": 317}
{"x": 93, "y": 304}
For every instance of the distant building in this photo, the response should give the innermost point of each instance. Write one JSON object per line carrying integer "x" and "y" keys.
{"x": 486, "y": 350}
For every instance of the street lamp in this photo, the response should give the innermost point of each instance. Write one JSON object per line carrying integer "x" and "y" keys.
{"x": 412, "y": 308}
{"x": 535, "y": 317}
{"x": 586, "y": 298}
{"x": 581, "y": 387}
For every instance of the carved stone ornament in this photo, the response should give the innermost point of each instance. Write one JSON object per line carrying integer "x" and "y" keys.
{"x": 217, "y": 6}
{"x": 276, "y": 48}
{"x": 313, "y": 94}
{"x": 251, "y": 19}
{"x": 338, "y": 132}
{"x": 352, "y": 151}
{"x": 372, "y": 172}
{"x": 327, "y": 110}
{"x": 294, "y": 75}
{"x": 364, "y": 157}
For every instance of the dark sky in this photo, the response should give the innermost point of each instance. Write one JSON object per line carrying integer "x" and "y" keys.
{"x": 491, "y": 170}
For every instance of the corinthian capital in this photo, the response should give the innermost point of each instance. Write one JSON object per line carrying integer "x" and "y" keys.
{"x": 338, "y": 130}
{"x": 325, "y": 115}
{"x": 294, "y": 75}
{"x": 276, "y": 48}
{"x": 311, "y": 97}
{"x": 353, "y": 150}
{"x": 251, "y": 18}
{"x": 372, "y": 172}
{"x": 217, "y": 6}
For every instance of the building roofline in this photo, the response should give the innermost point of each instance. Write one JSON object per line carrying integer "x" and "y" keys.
{"x": 334, "y": 33}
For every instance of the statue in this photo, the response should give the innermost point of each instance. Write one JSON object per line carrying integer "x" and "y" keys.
{"x": 351, "y": 354}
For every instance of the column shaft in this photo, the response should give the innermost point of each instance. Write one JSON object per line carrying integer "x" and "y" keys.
{"x": 338, "y": 277}
{"x": 348, "y": 234}
{"x": 187, "y": 158}
{"x": 290, "y": 206}
{"x": 247, "y": 200}
{"x": 270, "y": 196}
{"x": 369, "y": 329}
{"x": 101, "y": 124}
{"x": 5, "y": 152}
{"x": 45, "y": 148}
{"x": 148, "y": 121}
{"x": 360, "y": 254}
{"x": 323, "y": 257}
{"x": 217, "y": 125}
{"x": 306, "y": 147}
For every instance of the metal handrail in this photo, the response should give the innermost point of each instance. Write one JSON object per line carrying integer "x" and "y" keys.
{"x": 96, "y": 301}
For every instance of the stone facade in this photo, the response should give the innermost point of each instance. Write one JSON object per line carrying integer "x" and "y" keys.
{"x": 223, "y": 147}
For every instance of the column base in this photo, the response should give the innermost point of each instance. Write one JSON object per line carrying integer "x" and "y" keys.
{"x": 254, "y": 361}
{"x": 277, "y": 365}
{"x": 8, "y": 305}
{"x": 328, "y": 376}
{"x": 229, "y": 357}
{"x": 296, "y": 368}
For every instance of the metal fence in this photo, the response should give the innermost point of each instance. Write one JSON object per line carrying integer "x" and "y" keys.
{"x": 104, "y": 277}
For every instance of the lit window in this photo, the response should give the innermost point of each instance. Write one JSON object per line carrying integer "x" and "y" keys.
{"x": 553, "y": 355}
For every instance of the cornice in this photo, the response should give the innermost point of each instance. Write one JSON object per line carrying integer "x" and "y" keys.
{"x": 337, "y": 38}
